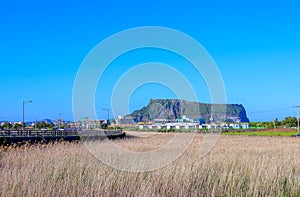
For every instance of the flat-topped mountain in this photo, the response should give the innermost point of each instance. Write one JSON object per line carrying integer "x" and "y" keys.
{"x": 172, "y": 109}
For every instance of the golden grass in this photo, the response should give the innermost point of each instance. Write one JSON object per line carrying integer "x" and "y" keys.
{"x": 237, "y": 166}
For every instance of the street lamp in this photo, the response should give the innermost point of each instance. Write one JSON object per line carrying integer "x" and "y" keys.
{"x": 59, "y": 121}
{"x": 23, "y": 122}
{"x": 106, "y": 109}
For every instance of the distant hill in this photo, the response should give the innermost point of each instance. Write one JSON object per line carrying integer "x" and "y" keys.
{"x": 173, "y": 109}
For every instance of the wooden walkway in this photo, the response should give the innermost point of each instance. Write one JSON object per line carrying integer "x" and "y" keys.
{"x": 32, "y": 136}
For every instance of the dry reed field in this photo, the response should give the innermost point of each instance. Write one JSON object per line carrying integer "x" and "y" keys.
{"x": 236, "y": 166}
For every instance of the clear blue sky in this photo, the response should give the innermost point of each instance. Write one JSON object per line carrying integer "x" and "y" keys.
{"x": 256, "y": 45}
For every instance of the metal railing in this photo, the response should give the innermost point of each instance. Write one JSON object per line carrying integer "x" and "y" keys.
{"x": 36, "y": 133}
{"x": 57, "y": 133}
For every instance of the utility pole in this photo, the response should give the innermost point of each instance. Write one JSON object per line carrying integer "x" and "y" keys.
{"x": 298, "y": 111}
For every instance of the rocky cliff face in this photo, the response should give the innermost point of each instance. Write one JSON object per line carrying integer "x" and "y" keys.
{"x": 173, "y": 109}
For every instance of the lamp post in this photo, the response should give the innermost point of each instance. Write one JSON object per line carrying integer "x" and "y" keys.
{"x": 59, "y": 121}
{"x": 23, "y": 121}
{"x": 106, "y": 109}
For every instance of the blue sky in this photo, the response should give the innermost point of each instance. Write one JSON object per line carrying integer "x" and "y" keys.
{"x": 255, "y": 44}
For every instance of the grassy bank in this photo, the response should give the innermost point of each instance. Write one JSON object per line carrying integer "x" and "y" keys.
{"x": 265, "y": 133}
{"x": 262, "y": 133}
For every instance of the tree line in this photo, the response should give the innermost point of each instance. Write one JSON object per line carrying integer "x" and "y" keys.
{"x": 39, "y": 125}
{"x": 288, "y": 122}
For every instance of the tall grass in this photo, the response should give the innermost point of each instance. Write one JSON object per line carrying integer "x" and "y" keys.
{"x": 262, "y": 133}
{"x": 237, "y": 166}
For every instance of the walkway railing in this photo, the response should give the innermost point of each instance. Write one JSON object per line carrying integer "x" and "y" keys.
{"x": 57, "y": 133}
{"x": 35, "y": 133}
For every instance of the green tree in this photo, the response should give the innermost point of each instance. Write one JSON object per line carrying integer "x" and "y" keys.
{"x": 7, "y": 125}
{"x": 17, "y": 126}
{"x": 290, "y": 122}
{"x": 44, "y": 125}
{"x": 277, "y": 122}
{"x": 104, "y": 126}
{"x": 268, "y": 125}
